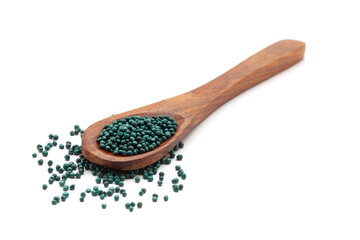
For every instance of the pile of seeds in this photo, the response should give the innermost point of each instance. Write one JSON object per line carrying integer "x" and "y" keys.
{"x": 112, "y": 180}
{"x": 135, "y": 135}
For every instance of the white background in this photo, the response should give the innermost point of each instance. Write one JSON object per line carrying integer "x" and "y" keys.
{"x": 280, "y": 161}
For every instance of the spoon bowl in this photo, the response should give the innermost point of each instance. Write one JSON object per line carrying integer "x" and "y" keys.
{"x": 190, "y": 108}
{"x": 95, "y": 154}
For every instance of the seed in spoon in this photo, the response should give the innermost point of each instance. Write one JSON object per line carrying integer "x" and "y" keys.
{"x": 135, "y": 135}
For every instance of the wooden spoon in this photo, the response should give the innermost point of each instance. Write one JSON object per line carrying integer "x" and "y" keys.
{"x": 190, "y": 108}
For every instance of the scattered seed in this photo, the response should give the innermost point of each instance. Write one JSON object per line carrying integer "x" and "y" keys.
{"x": 175, "y": 180}
{"x": 116, "y": 197}
{"x": 137, "y": 179}
{"x": 136, "y": 138}
{"x": 175, "y": 187}
{"x": 45, "y": 153}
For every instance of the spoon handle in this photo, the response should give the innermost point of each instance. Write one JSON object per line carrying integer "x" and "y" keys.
{"x": 257, "y": 68}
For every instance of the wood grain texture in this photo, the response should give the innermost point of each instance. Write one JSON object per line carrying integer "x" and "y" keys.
{"x": 190, "y": 108}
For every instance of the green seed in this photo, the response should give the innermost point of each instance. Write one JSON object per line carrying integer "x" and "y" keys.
{"x": 137, "y": 179}
{"x": 176, "y": 148}
{"x": 175, "y": 180}
{"x": 45, "y": 153}
{"x": 50, "y": 170}
{"x": 40, "y": 162}
{"x": 67, "y": 157}
{"x": 82, "y": 199}
{"x": 72, "y": 186}
{"x": 159, "y": 183}
{"x": 55, "y": 137}
{"x": 83, "y": 194}
{"x": 51, "y": 180}
{"x": 166, "y": 198}
{"x": 127, "y": 205}
{"x": 181, "y": 187}
{"x": 57, "y": 199}
{"x": 180, "y": 172}
{"x": 54, "y": 143}
{"x": 61, "y": 146}
{"x": 181, "y": 144}
{"x": 34, "y": 155}
{"x": 51, "y": 136}
{"x": 139, "y": 204}
{"x": 131, "y": 208}
{"x": 103, "y": 205}
{"x": 143, "y": 190}
{"x": 72, "y": 133}
{"x": 50, "y": 163}
{"x": 88, "y": 190}
{"x": 177, "y": 167}
{"x": 62, "y": 183}
{"x": 116, "y": 197}
{"x": 65, "y": 188}
{"x": 175, "y": 187}
{"x": 179, "y": 157}
{"x": 40, "y": 148}
{"x": 167, "y": 161}
{"x": 44, "y": 186}
{"x": 155, "y": 197}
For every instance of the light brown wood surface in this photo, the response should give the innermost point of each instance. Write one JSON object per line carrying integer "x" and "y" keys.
{"x": 190, "y": 108}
